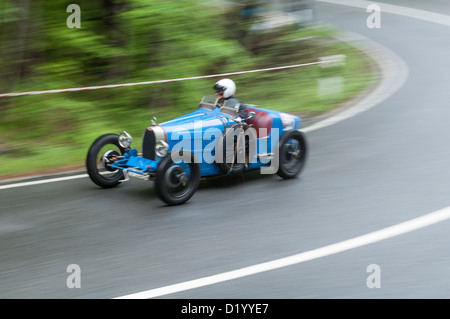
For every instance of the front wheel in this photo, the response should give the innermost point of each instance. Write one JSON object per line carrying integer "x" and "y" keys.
{"x": 175, "y": 183}
{"x": 104, "y": 151}
{"x": 292, "y": 153}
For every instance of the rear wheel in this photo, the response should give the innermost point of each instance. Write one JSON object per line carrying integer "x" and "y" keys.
{"x": 103, "y": 152}
{"x": 292, "y": 153}
{"x": 175, "y": 183}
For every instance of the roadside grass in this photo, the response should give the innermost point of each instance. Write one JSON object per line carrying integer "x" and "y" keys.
{"x": 61, "y": 141}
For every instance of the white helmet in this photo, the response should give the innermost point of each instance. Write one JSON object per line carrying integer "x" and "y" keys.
{"x": 227, "y": 86}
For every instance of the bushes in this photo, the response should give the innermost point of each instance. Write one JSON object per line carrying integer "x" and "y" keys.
{"x": 123, "y": 41}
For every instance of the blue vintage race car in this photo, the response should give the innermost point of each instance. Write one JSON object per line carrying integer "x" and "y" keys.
{"x": 208, "y": 142}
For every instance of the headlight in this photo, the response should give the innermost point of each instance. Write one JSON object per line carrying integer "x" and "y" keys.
{"x": 287, "y": 120}
{"x": 161, "y": 148}
{"x": 125, "y": 139}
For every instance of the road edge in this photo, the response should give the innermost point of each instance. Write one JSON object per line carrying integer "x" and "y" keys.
{"x": 393, "y": 73}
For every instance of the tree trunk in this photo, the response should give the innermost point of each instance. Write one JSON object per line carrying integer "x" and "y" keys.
{"x": 116, "y": 38}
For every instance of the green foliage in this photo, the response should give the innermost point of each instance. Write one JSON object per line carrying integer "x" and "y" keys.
{"x": 119, "y": 41}
{"x": 122, "y": 41}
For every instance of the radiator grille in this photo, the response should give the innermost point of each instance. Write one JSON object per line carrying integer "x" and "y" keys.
{"x": 148, "y": 145}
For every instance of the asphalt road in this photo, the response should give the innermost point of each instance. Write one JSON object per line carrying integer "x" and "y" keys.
{"x": 377, "y": 169}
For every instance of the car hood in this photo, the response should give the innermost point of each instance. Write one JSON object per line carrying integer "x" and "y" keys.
{"x": 196, "y": 122}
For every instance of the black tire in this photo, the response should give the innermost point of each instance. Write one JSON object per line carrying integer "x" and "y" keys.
{"x": 97, "y": 164}
{"x": 292, "y": 152}
{"x": 226, "y": 147}
{"x": 172, "y": 183}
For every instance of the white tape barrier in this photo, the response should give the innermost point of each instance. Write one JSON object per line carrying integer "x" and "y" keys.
{"x": 163, "y": 81}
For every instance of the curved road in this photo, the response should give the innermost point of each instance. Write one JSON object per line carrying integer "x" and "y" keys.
{"x": 374, "y": 170}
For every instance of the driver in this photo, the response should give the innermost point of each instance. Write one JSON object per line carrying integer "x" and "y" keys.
{"x": 225, "y": 89}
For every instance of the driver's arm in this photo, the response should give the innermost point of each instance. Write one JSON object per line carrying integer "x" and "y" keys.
{"x": 242, "y": 111}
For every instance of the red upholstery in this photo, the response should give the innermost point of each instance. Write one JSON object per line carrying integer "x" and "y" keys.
{"x": 261, "y": 120}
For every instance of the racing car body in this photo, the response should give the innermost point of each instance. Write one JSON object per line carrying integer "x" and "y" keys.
{"x": 210, "y": 141}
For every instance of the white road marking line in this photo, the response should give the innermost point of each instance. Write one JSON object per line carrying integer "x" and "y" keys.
{"x": 389, "y": 232}
{"x": 395, "y": 9}
{"x": 43, "y": 181}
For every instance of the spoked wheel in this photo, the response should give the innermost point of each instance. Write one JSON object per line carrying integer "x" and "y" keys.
{"x": 176, "y": 182}
{"x": 104, "y": 151}
{"x": 292, "y": 153}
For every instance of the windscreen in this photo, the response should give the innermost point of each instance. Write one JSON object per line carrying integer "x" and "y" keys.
{"x": 208, "y": 102}
{"x": 231, "y": 107}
